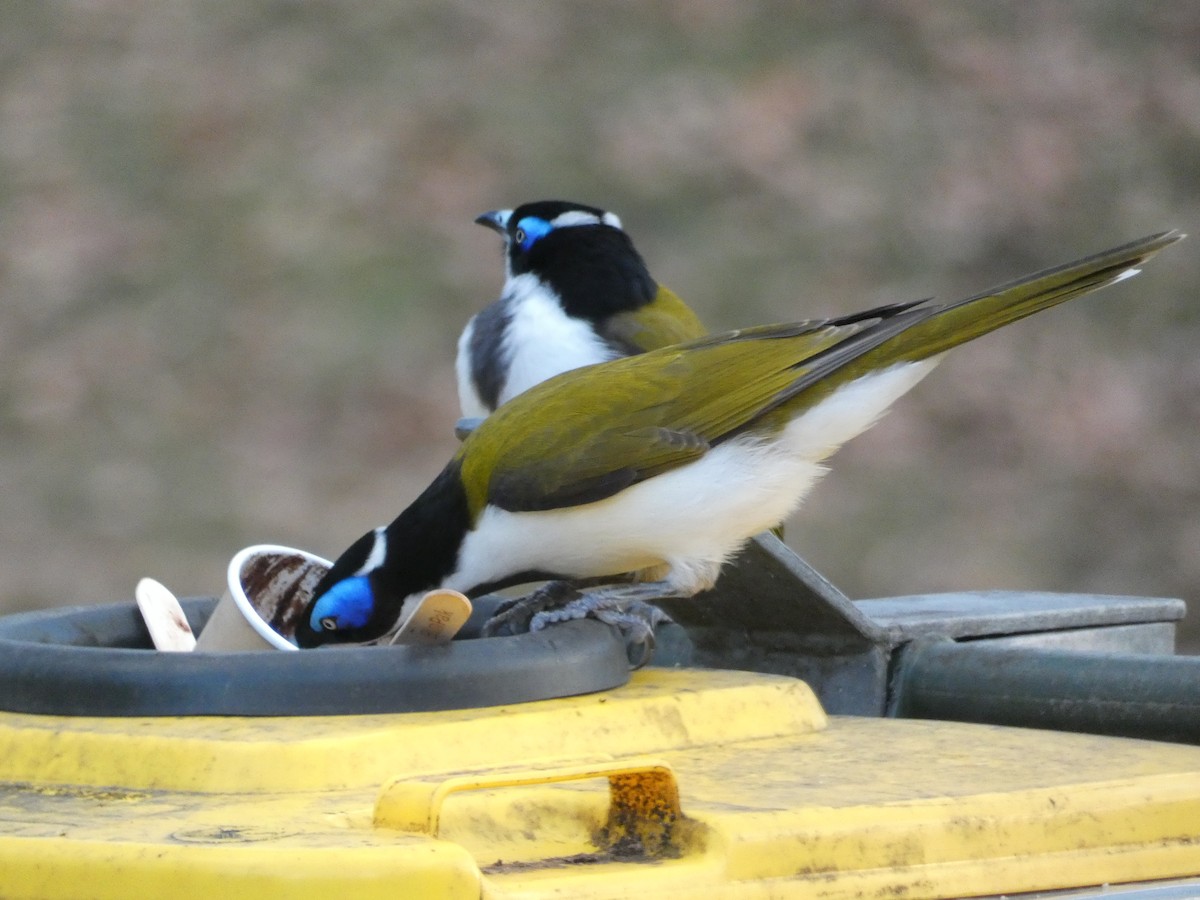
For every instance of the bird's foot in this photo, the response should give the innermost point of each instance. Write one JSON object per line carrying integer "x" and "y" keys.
{"x": 624, "y": 606}
{"x": 632, "y": 616}
{"x": 515, "y": 616}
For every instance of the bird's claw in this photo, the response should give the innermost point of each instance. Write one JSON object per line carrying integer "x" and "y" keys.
{"x": 636, "y": 621}
{"x": 560, "y": 602}
{"x": 515, "y": 616}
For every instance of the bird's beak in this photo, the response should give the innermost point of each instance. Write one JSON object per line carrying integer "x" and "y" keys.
{"x": 497, "y": 220}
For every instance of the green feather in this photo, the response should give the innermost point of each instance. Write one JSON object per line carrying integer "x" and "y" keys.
{"x": 589, "y": 433}
{"x": 664, "y": 321}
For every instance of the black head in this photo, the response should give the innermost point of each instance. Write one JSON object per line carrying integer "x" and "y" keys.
{"x": 580, "y": 251}
{"x": 347, "y": 605}
{"x": 365, "y": 592}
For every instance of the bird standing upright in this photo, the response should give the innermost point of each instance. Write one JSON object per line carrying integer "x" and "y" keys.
{"x": 576, "y": 292}
{"x": 645, "y": 474}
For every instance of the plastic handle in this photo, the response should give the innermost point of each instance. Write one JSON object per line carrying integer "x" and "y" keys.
{"x": 644, "y": 799}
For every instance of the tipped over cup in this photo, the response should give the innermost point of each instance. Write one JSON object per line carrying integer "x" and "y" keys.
{"x": 267, "y": 589}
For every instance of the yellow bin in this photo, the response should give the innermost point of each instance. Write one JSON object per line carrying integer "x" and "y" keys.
{"x": 681, "y": 783}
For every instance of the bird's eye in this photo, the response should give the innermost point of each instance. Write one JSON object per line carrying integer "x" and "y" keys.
{"x": 329, "y": 623}
{"x": 529, "y": 231}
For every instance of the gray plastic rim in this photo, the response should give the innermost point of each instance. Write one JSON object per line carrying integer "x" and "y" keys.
{"x": 98, "y": 661}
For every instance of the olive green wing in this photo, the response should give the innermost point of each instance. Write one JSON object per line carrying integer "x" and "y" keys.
{"x": 665, "y": 321}
{"x": 586, "y": 434}
{"x": 590, "y": 433}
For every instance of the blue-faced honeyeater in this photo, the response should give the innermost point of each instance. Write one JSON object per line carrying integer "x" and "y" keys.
{"x": 646, "y": 473}
{"x": 576, "y": 292}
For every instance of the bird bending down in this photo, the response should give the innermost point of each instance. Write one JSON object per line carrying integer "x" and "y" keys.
{"x": 576, "y": 292}
{"x": 645, "y": 474}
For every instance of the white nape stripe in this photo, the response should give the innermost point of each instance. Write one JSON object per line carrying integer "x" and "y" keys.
{"x": 574, "y": 217}
{"x": 377, "y": 554}
{"x": 541, "y": 340}
{"x": 690, "y": 519}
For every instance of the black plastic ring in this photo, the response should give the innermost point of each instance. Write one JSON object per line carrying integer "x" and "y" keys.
{"x": 98, "y": 661}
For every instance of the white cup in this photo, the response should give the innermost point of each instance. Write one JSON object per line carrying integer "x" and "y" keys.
{"x": 267, "y": 589}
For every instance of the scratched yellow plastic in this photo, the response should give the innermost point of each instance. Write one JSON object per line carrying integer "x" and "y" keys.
{"x": 776, "y": 801}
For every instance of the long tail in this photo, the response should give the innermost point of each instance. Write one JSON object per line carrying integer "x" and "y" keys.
{"x": 956, "y": 323}
{"x": 911, "y": 333}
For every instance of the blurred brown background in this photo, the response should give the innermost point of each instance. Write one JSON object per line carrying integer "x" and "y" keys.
{"x": 236, "y": 249}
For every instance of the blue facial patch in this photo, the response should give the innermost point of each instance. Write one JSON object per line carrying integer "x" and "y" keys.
{"x": 346, "y": 605}
{"x": 530, "y": 230}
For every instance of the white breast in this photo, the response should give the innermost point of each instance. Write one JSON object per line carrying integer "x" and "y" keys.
{"x": 542, "y": 340}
